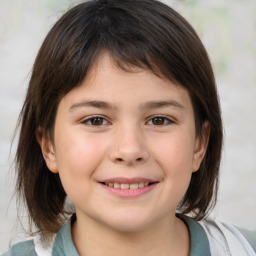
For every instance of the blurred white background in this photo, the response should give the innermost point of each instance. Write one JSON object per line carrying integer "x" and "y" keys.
{"x": 228, "y": 30}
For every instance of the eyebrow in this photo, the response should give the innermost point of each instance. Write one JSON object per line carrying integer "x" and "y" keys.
{"x": 159, "y": 104}
{"x": 92, "y": 103}
{"x": 105, "y": 105}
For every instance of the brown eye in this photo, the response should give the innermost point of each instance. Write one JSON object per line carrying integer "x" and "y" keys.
{"x": 95, "y": 121}
{"x": 159, "y": 121}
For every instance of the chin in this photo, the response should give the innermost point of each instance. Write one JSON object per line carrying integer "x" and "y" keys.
{"x": 129, "y": 223}
{"x": 128, "y": 227}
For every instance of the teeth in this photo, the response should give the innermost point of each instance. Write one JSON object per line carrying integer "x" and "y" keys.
{"x": 134, "y": 186}
{"x": 124, "y": 186}
{"x": 116, "y": 185}
{"x": 141, "y": 184}
{"x": 128, "y": 186}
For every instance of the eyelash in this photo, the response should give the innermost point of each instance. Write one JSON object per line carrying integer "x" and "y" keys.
{"x": 94, "y": 118}
{"x": 103, "y": 121}
{"x": 166, "y": 120}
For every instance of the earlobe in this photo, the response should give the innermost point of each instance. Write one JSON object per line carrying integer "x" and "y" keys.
{"x": 47, "y": 149}
{"x": 201, "y": 145}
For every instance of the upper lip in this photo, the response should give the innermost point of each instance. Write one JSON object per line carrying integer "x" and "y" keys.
{"x": 123, "y": 180}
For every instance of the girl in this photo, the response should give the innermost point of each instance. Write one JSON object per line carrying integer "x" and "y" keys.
{"x": 122, "y": 118}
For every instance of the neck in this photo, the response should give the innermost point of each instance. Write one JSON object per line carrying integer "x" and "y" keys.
{"x": 166, "y": 238}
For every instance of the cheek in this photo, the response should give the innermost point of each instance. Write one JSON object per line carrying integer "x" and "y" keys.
{"x": 175, "y": 156}
{"x": 78, "y": 156}
{"x": 175, "y": 153}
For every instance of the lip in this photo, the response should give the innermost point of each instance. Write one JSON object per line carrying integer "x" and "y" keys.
{"x": 127, "y": 180}
{"x": 128, "y": 193}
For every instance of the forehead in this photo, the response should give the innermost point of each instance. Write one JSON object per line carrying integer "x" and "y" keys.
{"x": 106, "y": 68}
{"x": 108, "y": 86}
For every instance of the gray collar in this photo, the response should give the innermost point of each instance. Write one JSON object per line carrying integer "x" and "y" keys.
{"x": 199, "y": 245}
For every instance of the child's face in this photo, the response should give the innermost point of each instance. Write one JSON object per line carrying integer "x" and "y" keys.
{"x": 125, "y": 127}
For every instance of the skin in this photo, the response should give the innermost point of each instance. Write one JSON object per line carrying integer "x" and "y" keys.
{"x": 127, "y": 141}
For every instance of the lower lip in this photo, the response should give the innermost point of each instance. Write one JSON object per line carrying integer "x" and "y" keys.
{"x": 129, "y": 193}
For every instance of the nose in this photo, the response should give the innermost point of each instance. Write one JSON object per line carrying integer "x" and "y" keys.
{"x": 129, "y": 147}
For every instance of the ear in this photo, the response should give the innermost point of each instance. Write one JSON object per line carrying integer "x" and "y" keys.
{"x": 47, "y": 148}
{"x": 201, "y": 145}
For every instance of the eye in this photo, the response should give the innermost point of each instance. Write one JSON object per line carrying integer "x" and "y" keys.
{"x": 95, "y": 121}
{"x": 159, "y": 120}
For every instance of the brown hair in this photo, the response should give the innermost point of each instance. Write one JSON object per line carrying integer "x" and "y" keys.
{"x": 141, "y": 33}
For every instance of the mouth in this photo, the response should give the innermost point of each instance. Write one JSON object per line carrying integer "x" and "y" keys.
{"x": 129, "y": 188}
{"x": 127, "y": 185}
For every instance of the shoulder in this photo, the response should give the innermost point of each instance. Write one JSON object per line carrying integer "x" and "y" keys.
{"x": 63, "y": 244}
{"x": 250, "y": 236}
{"x": 26, "y": 248}
{"x": 226, "y": 238}
{"x": 55, "y": 244}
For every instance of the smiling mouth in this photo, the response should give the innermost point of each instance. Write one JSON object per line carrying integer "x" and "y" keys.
{"x": 127, "y": 185}
{"x": 129, "y": 188}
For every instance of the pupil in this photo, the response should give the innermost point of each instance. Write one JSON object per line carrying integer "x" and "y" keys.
{"x": 97, "y": 121}
{"x": 158, "y": 121}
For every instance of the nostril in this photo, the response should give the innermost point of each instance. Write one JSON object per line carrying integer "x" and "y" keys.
{"x": 119, "y": 160}
{"x": 139, "y": 159}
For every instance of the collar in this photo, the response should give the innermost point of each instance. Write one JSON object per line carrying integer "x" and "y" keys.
{"x": 199, "y": 243}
